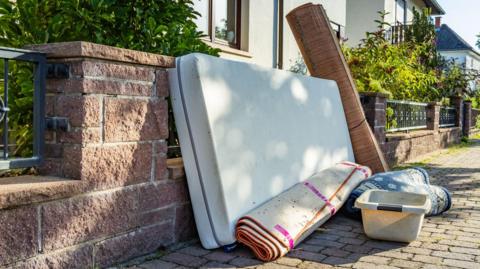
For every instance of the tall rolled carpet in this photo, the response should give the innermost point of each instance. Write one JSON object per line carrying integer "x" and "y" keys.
{"x": 278, "y": 225}
{"x": 324, "y": 59}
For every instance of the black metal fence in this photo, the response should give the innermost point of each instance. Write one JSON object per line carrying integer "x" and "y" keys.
{"x": 38, "y": 61}
{"x": 406, "y": 115}
{"x": 448, "y": 116}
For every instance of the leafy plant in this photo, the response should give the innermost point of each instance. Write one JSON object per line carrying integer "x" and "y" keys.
{"x": 159, "y": 26}
{"x": 412, "y": 70}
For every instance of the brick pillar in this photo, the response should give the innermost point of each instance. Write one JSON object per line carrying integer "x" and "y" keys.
{"x": 115, "y": 102}
{"x": 467, "y": 115}
{"x": 433, "y": 116}
{"x": 457, "y": 103}
{"x": 375, "y": 105}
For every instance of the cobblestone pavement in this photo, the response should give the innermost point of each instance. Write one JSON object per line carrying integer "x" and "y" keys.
{"x": 448, "y": 241}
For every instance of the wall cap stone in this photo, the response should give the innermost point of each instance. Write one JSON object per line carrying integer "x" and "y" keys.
{"x": 81, "y": 49}
{"x": 23, "y": 190}
{"x": 374, "y": 94}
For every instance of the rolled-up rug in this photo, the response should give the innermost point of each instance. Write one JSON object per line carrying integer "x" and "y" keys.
{"x": 414, "y": 180}
{"x": 278, "y": 225}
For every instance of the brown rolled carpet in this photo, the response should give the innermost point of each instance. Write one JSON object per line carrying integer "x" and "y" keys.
{"x": 277, "y": 226}
{"x": 324, "y": 59}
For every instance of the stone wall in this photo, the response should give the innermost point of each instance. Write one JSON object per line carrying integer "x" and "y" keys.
{"x": 108, "y": 193}
{"x": 404, "y": 146}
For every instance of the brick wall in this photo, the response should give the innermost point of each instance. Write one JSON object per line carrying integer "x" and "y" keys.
{"x": 121, "y": 200}
{"x": 404, "y": 146}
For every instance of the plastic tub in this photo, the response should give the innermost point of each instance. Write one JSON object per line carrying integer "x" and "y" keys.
{"x": 393, "y": 216}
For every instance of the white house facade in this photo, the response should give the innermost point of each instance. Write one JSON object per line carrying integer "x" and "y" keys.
{"x": 453, "y": 47}
{"x": 256, "y": 30}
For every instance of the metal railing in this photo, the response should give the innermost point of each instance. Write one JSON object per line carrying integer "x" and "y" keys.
{"x": 396, "y": 34}
{"x": 406, "y": 116}
{"x": 448, "y": 117}
{"x": 39, "y": 74}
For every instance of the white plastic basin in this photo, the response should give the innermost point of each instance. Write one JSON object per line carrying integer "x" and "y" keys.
{"x": 393, "y": 216}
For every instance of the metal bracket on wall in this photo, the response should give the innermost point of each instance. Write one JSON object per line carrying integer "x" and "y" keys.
{"x": 56, "y": 124}
{"x": 58, "y": 70}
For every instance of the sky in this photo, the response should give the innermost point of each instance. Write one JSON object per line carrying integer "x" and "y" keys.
{"x": 463, "y": 16}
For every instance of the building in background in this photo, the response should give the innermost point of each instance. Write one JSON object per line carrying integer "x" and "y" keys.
{"x": 452, "y": 46}
{"x": 361, "y": 16}
{"x": 257, "y": 31}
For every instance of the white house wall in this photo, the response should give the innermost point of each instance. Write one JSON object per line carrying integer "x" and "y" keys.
{"x": 336, "y": 11}
{"x": 259, "y": 42}
{"x": 361, "y": 15}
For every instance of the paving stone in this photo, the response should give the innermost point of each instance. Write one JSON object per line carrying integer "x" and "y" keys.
{"x": 324, "y": 243}
{"x": 311, "y": 248}
{"x": 415, "y": 250}
{"x": 367, "y": 265}
{"x": 335, "y": 252}
{"x": 184, "y": 259}
{"x": 375, "y": 259}
{"x": 452, "y": 255}
{"x": 427, "y": 259}
{"x": 194, "y": 251}
{"x": 313, "y": 265}
{"x": 289, "y": 261}
{"x": 306, "y": 255}
{"x": 472, "y": 251}
{"x": 405, "y": 264}
{"x": 338, "y": 261}
{"x": 461, "y": 264}
{"x": 220, "y": 256}
{"x": 395, "y": 254}
{"x": 215, "y": 265}
{"x": 245, "y": 262}
{"x": 156, "y": 264}
{"x": 351, "y": 241}
{"x": 357, "y": 249}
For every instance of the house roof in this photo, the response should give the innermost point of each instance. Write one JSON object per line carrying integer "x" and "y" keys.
{"x": 448, "y": 40}
{"x": 435, "y": 6}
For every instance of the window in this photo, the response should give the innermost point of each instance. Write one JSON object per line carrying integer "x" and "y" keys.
{"x": 401, "y": 12}
{"x": 220, "y": 21}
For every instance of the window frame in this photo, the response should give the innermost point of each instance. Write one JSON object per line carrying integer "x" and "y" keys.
{"x": 404, "y": 4}
{"x": 238, "y": 23}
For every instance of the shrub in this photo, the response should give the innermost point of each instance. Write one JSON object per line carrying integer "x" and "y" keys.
{"x": 159, "y": 26}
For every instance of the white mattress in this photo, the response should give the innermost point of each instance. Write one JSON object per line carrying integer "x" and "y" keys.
{"x": 248, "y": 133}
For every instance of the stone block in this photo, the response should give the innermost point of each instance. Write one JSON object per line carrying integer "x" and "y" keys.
{"x": 161, "y": 83}
{"x": 135, "y": 120}
{"x": 133, "y": 244}
{"x": 80, "y": 110}
{"x": 161, "y": 172}
{"x": 76, "y": 257}
{"x": 18, "y": 234}
{"x": 79, "y": 136}
{"x": 109, "y": 166}
{"x": 162, "y": 195}
{"x": 99, "y": 86}
{"x": 185, "y": 228}
{"x": 80, "y": 219}
{"x": 100, "y": 69}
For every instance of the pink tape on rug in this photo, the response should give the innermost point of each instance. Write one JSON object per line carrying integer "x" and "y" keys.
{"x": 325, "y": 199}
{"x": 357, "y": 167}
{"x": 286, "y": 234}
